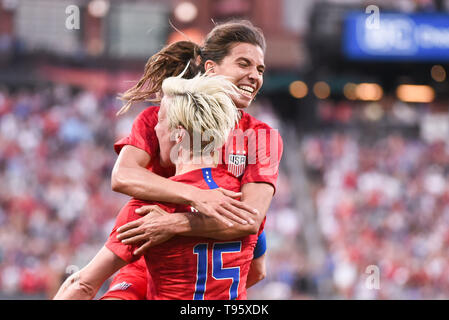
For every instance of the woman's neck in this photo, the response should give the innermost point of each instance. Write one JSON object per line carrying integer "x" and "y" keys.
{"x": 194, "y": 164}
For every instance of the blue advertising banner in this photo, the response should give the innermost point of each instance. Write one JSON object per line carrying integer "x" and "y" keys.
{"x": 396, "y": 36}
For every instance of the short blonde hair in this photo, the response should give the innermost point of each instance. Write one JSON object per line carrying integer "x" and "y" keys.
{"x": 202, "y": 105}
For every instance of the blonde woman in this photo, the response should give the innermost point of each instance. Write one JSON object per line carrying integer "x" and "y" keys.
{"x": 178, "y": 265}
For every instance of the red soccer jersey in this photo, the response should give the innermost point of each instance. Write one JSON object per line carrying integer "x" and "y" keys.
{"x": 144, "y": 137}
{"x": 252, "y": 153}
{"x": 192, "y": 268}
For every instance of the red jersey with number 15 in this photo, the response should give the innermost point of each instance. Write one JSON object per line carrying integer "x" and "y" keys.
{"x": 192, "y": 268}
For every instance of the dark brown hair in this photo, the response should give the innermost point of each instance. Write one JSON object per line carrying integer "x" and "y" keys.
{"x": 174, "y": 58}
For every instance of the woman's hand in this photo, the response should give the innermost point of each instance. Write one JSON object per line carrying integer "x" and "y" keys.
{"x": 150, "y": 230}
{"x": 222, "y": 204}
{"x": 156, "y": 227}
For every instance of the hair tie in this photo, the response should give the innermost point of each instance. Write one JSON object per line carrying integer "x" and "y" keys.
{"x": 200, "y": 52}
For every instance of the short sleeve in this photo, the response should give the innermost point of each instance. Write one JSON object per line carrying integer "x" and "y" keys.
{"x": 142, "y": 134}
{"x": 261, "y": 246}
{"x": 263, "y": 166}
{"x": 126, "y": 214}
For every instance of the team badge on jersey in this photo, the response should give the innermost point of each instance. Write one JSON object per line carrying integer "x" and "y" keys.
{"x": 236, "y": 164}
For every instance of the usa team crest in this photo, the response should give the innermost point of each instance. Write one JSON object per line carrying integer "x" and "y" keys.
{"x": 236, "y": 164}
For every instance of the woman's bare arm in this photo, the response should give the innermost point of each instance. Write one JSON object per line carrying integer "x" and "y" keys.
{"x": 84, "y": 284}
{"x": 256, "y": 195}
{"x": 257, "y": 271}
{"x": 148, "y": 228}
{"x": 130, "y": 176}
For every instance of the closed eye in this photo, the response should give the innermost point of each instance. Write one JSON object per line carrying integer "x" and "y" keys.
{"x": 245, "y": 63}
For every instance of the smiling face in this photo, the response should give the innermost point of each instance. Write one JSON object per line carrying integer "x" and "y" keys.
{"x": 244, "y": 65}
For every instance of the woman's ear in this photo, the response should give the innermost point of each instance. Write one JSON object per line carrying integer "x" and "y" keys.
{"x": 180, "y": 134}
{"x": 183, "y": 144}
{"x": 209, "y": 67}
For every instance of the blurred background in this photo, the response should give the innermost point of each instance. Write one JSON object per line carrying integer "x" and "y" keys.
{"x": 358, "y": 90}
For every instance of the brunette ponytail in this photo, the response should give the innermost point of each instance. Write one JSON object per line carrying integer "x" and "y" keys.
{"x": 168, "y": 62}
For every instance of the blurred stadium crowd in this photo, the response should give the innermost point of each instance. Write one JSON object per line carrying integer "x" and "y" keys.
{"x": 56, "y": 203}
{"x": 381, "y": 199}
{"x": 383, "y": 203}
